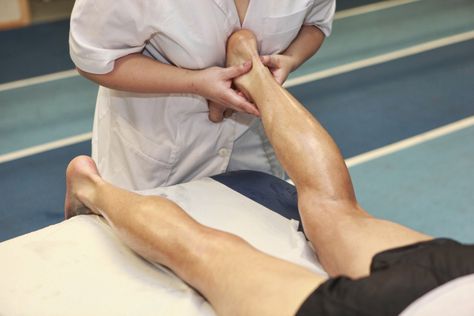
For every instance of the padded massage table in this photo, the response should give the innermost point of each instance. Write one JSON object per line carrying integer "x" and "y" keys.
{"x": 79, "y": 266}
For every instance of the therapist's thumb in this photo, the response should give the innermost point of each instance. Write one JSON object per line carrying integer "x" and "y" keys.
{"x": 238, "y": 70}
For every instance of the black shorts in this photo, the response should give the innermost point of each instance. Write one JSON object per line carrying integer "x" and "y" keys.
{"x": 397, "y": 278}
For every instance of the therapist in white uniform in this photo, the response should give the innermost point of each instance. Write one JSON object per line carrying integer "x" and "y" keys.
{"x": 164, "y": 89}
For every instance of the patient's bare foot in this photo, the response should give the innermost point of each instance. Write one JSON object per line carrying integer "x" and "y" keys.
{"x": 80, "y": 176}
{"x": 241, "y": 47}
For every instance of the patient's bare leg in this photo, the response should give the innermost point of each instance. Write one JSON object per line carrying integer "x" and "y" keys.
{"x": 344, "y": 235}
{"x": 235, "y": 278}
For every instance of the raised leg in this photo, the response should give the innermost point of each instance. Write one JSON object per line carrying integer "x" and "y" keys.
{"x": 234, "y": 277}
{"x": 344, "y": 235}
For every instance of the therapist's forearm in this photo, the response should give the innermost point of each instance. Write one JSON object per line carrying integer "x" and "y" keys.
{"x": 305, "y": 45}
{"x": 141, "y": 74}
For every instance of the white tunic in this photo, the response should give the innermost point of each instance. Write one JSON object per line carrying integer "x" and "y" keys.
{"x": 141, "y": 141}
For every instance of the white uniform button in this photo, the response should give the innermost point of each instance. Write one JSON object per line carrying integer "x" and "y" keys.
{"x": 223, "y": 152}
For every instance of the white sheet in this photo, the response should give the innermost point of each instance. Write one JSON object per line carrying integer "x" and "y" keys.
{"x": 79, "y": 267}
{"x": 452, "y": 298}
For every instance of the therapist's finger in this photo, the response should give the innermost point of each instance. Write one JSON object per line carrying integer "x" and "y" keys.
{"x": 241, "y": 104}
{"x": 271, "y": 61}
{"x": 238, "y": 70}
{"x": 216, "y": 113}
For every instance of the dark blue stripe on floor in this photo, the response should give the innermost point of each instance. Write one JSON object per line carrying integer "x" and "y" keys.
{"x": 32, "y": 190}
{"x": 373, "y": 107}
{"x": 35, "y": 50}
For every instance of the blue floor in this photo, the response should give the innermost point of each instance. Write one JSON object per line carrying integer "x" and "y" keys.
{"x": 355, "y": 38}
{"x": 35, "y": 50}
{"x": 32, "y": 190}
{"x": 379, "y": 105}
{"x": 46, "y": 112}
{"x": 428, "y": 187}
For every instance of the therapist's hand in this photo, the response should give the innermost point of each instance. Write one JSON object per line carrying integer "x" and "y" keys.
{"x": 215, "y": 84}
{"x": 218, "y": 112}
{"x": 279, "y": 65}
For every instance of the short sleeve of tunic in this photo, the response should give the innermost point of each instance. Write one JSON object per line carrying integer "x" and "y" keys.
{"x": 321, "y": 15}
{"x": 102, "y": 31}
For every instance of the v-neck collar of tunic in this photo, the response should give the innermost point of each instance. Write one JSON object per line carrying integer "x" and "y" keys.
{"x": 246, "y": 14}
{"x": 229, "y": 8}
